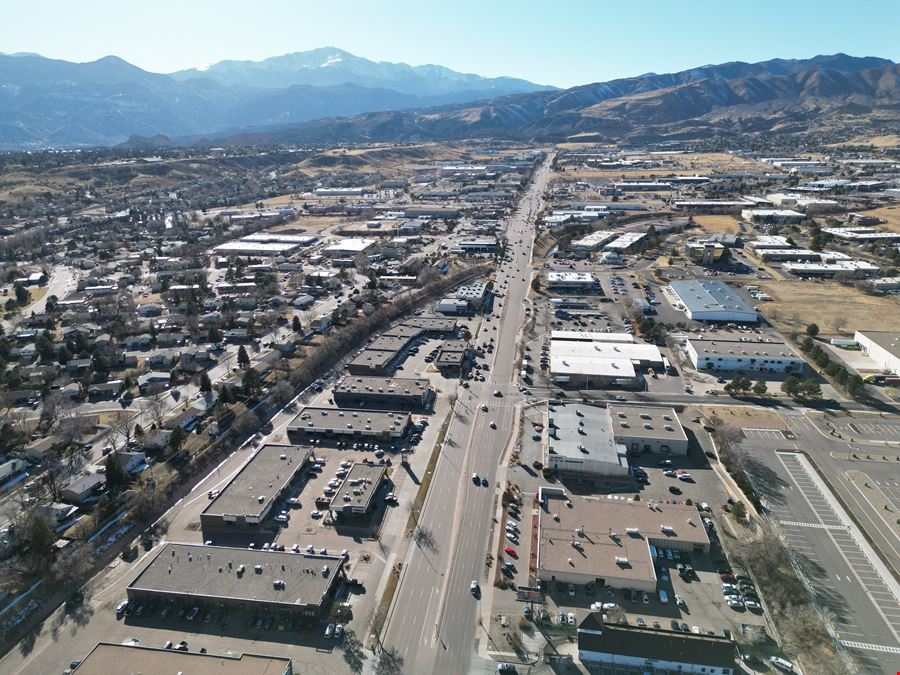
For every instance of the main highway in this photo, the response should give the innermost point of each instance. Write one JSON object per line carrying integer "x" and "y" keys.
{"x": 433, "y": 621}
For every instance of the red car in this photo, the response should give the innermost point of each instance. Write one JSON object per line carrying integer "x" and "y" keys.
{"x": 511, "y": 551}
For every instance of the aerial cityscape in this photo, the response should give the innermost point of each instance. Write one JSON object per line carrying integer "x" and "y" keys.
{"x": 312, "y": 362}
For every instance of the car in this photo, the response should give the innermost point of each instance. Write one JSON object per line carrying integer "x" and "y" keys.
{"x": 645, "y": 598}
{"x": 484, "y": 482}
{"x": 506, "y": 668}
{"x": 484, "y": 407}
{"x": 310, "y": 548}
{"x": 670, "y": 473}
{"x": 329, "y": 630}
{"x": 339, "y": 631}
{"x": 679, "y": 601}
{"x": 315, "y": 514}
{"x": 121, "y": 607}
{"x": 182, "y": 646}
{"x": 752, "y": 604}
{"x": 664, "y": 462}
{"x": 674, "y": 625}
{"x": 640, "y": 622}
{"x": 294, "y": 502}
{"x": 295, "y": 548}
{"x": 509, "y": 550}
{"x": 167, "y": 644}
{"x": 675, "y": 490}
{"x": 621, "y": 398}
{"x": 473, "y": 587}
{"x": 734, "y": 603}
{"x": 570, "y": 618}
{"x": 193, "y": 614}
{"x": 498, "y": 393}
{"x": 571, "y": 590}
{"x": 493, "y": 424}
{"x": 656, "y": 625}
{"x": 781, "y": 664}
{"x": 476, "y": 478}
{"x": 281, "y": 518}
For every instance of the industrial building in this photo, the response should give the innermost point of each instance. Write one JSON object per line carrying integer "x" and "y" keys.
{"x": 355, "y": 498}
{"x": 856, "y": 269}
{"x": 606, "y": 648}
{"x": 298, "y": 585}
{"x": 648, "y": 429}
{"x": 350, "y": 247}
{"x": 883, "y": 347}
{"x": 772, "y": 216}
{"x": 395, "y": 393}
{"x": 571, "y": 281}
{"x": 705, "y": 252}
{"x": 348, "y": 423}
{"x": 707, "y": 300}
{"x": 594, "y": 241}
{"x": 483, "y": 245}
{"x": 250, "y": 247}
{"x": 249, "y": 496}
{"x": 734, "y": 355}
{"x": 625, "y": 242}
{"x": 768, "y": 241}
{"x": 452, "y": 356}
{"x": 861, "y": 234}
{"x": 607, "y": 541}
{"x": 382, "y": 354}
{"x": 589, "y": 360}
{"x": 107, "y": 658}
{"x": 581, "y": 443}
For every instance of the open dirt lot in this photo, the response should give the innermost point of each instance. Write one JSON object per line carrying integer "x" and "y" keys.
{"x": 885, "y": 141}
{"x": 746, "y": 418}
{"x": 823, "y": 302}
{"x": 308, "y": 225}
{"x": 687, "y": 165}
{"x": 718, "y": 224}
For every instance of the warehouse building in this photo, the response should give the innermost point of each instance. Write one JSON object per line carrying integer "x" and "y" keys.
{"x": 295, "y": 585}
{"x": 107, "y": 658}
{"x": 648, "y": 429}
{"x": 249, "y": 496}
{"x": 625, "y": 242}
{"x": 355, "y": 498}
{"x": 348, "y": 248}
{"x": 250, "y": 247}
{"x": 772, "y": 216}
{"x": 607, "y": 542}
{"x": 734, "y": 355}
{"x": 581, "y": 443}
{"x": 395, "y": 393}
{"x": 883, "y": 347}
{"x": 595, "y": 362}
{"x": 861, "y": 234}
{"x": 855, "y": 269}
{"x": 707, "y": 300}
{"x": 347, "y": 423}
{"x": 594, "y": 241}
{"x": 382, "y": 355}
{"x": 769, "y": 241}
{"x": 483, "y": 245}
{"x": 606, "y": 649}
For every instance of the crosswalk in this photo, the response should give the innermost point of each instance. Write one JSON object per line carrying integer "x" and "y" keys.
{"x": 870, "y": 647}
{"x": 821, "y": 526}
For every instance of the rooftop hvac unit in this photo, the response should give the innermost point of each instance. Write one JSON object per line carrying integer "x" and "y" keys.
{"x": 624, "y": 425}
{"x": 621, "y": 560}
{"x": 646, "y": 416}
{"x": 613, "y": 535}
{"x": 576, "y": 543}
{"x": 632, "y": 530}
{"x": 258, "y": 569}
{"x": 669, "y": 427}
{"x": 282, "y": 456}
{"x": 666, "y": 528}
{"x": 647, "y": 426}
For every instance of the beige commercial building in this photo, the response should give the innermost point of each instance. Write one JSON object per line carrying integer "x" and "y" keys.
{"x": 608, "y": 542}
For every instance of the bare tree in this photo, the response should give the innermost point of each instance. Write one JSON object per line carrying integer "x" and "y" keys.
{"x": 156, "y": 408}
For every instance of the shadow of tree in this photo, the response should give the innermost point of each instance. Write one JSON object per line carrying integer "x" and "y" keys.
{"x": 389, "y": 662}
{"x": 352, "y": 650}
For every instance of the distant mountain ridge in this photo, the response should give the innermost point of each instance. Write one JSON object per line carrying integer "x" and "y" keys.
{"x": 331, "y": 67}
{"x": 782, "y": 95}
{"x": 46, "y": 102}
{"x": 49, "y": 102}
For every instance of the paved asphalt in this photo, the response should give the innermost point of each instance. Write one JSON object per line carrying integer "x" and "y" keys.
{"x": 433, "y": 623}
{"x": 865, "y": 613}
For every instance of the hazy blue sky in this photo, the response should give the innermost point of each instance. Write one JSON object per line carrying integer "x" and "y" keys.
{"x": 553, "y": 42}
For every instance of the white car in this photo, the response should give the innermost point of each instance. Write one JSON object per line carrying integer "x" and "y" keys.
{"x": 570, "y": 618}
{"x": 315, "y": 514}
{"x": 310, "y": 548}
{"x": 493, "y": 424}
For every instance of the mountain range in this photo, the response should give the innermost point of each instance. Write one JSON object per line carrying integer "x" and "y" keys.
{"x": 328, "y": 95}
{"x": 785, "y": 96}
{"x": 47, "y": 102}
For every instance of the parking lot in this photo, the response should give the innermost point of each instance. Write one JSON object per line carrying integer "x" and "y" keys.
{"x": 844, "y": 573}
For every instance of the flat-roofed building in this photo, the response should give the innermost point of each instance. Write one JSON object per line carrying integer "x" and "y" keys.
{"x": 772, "y": 216}
{"x": 590, "y": 336}
{"x": 581, "y": 443}
{"x": 385, "y": 392}
{"x": 857, "y": 269}
{"x": 248, "y": 498}
{"x": 571, "y": 281}
{"x": 283, "y": 583}
{"x": 648, "y": 429}
{"x": 883, "y": 347}
{"x": 591, "y": 362}
{"x": 594, "y": 241}
{"x": 607, "y": 541}
{"x": 481, "y": 245}
{"x": 625, "y": 242}
{"x": 355, "y": 498}
{"x": 632, "y": 650}
{"x": 107, "y": 658}
{"x": 452, "y": 355}
{"x": 348, "y": 247}
{"x": 769, "y": 241}
{"x": 708, "y": 300}
{"x": 251, "y": 247}
{"x": 344, "y": 423}
{"x": 734, "y": 355}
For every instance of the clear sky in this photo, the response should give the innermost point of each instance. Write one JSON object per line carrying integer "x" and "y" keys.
{"x": 555, "y": 42}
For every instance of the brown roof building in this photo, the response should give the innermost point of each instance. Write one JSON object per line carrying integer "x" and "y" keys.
{"x": 608, "y": 541}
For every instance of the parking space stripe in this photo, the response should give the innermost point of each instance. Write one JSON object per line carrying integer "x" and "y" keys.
{"x": 870, "y": 647}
